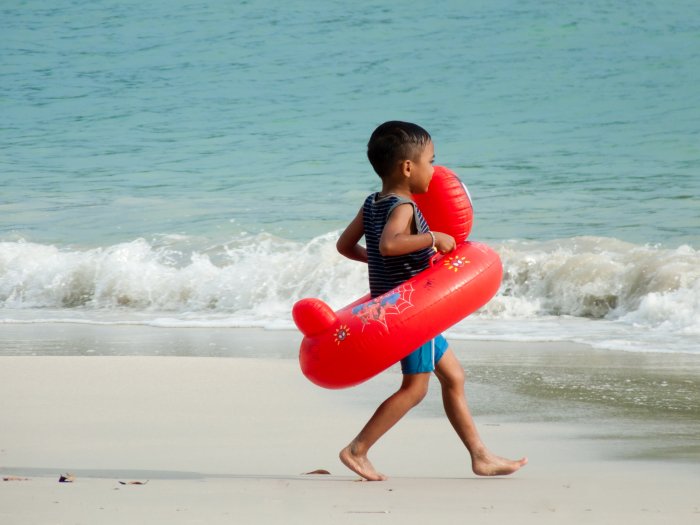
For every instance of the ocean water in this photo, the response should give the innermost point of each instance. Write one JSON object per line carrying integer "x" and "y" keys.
{"x": 192, "y": 163}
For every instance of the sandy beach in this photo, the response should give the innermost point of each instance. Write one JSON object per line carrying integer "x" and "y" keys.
{"x": 220, "y": 426}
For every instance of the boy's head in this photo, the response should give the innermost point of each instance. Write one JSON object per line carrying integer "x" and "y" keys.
{"x": 394, "y": 142}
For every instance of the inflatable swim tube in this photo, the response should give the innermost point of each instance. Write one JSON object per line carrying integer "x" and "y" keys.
{"x": 344, "y": 348}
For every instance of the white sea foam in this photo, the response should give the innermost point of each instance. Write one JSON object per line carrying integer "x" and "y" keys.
{"x": 640, "y": 297}
{"x": 255, "y": 277}
{"x": 597, "y": 278}
{"x": 596, "y": 290}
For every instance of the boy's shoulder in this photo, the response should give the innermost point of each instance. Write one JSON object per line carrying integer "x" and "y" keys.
{"x": 377, "y": 198}
{"x": 377, "y": 208}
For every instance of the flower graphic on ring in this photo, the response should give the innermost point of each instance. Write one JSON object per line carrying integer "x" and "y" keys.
{"x": 455, "y": 263}
{"x": 341, "y": 334}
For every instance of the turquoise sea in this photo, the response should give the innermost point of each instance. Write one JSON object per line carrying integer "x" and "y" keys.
{"x": 191, "y": 163}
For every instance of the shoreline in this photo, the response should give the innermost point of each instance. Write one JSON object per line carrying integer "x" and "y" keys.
{"x": 228, "y": 438}
{"x": 58, "y": 337}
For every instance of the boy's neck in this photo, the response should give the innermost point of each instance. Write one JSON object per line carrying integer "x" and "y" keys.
{"x": 401, "y": 190}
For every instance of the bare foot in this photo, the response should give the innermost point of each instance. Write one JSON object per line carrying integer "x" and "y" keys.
{"x": 489, "y": 465}
{"x": 360, "y": 465}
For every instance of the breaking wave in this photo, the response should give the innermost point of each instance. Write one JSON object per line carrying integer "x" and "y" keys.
{"x": 254, "y": 280}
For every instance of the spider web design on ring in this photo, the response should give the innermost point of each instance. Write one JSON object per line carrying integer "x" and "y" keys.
{"x": 391, "y": 303}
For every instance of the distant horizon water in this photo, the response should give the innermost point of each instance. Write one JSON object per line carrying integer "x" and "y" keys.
{"x": 191, "y": 164}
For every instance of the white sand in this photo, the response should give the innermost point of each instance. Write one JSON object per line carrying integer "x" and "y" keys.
{"x": 226, "y": 440}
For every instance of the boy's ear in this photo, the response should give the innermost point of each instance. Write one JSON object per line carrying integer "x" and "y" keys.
{"x": 406, "y": 166}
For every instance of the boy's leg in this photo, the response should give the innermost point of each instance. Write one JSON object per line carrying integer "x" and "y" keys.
{"x": 354, "y": 456}
{"x": 451, "y": 375}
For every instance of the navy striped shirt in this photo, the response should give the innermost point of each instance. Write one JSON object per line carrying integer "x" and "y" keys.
{"x": 387, "y": 272}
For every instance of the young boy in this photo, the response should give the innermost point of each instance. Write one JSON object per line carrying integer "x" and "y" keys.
{"x": 399, "y": 245}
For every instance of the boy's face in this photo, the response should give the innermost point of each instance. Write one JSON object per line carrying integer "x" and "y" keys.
{"x": 422, "y": 169}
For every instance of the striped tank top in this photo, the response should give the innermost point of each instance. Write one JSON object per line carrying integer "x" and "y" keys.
{"x": 386, "y": 273}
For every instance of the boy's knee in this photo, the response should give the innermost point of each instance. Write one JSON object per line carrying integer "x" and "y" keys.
{"x": 418, "y": 395}
{"x": 454, "y": 377}
{"x": 415, "y": 391}
{"x": 459, "y": 376}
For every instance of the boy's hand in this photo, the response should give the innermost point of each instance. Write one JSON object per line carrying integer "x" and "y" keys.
{"x": 444, "y": 243}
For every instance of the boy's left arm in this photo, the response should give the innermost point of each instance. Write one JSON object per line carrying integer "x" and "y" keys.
{"x": 398, "y": 239}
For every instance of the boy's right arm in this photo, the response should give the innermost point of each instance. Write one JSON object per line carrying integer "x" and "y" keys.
{"x": 348, "y": 243}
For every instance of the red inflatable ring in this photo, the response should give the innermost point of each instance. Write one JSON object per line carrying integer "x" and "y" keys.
{"x": 344, "y": 348}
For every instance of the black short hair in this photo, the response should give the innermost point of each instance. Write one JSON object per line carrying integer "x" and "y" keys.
{"x": 393, "y": 142}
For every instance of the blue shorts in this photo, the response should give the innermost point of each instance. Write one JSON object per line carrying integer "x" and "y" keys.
{"x": 425, "y": 357}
